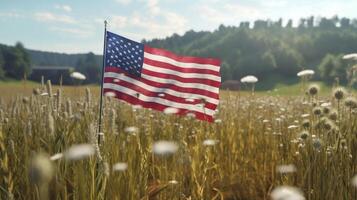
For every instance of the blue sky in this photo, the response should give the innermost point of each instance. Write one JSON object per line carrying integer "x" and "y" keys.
{"x": 74, "y": 26}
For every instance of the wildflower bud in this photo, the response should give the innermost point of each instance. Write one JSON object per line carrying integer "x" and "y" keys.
{"x": 333, "y": 115}
{"x": 328, "y": 124}
{"x": 51, "y": 124}
{"x": 339, "y": 93}
{"x": 317, "y": 111}
{"x": 41, "y": 170}
{"x": 343, "y": 142}
{"x": 69, "y": 107}
{"x": 326, "y": 110}
{"x": 59, "y": 100}
{"x": 49, "y": 88}
{"x": 88, "y": 97}
{"x": 316, "y": 143}
{"x": 351, "y": 102}
{"x": 306, "y": 123}
{"x": 112, "y": 120}
{"x": 304, "y": 135}
{"x": 313, "y": 90}
{"x": 36, "y": 91}
{"x": 25, "y": 100}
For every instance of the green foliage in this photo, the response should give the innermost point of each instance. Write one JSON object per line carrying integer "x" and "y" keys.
{"x": 2, "y": 73}
{"x": 90, "y": 68}
{"x": 333, "y": 66}
{"x": 265, "y": 49}
{"x": 269, "y": 48}
{"x": 17, "y": 63}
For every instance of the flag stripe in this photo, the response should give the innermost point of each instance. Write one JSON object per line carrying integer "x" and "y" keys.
{"x": 162, "y": 95}
{"x": 133, "y": 100}
{"x": 154, "y": 78}
{"x": 180, "y": 69}
{"x": 158, "y": 100}
{"x": 152, "y": 67}
{"x": 179, "y": 63}
{"x": 204, "y": 84}
{"x": 187, "y": 59}
{"x": 115, "y": 73}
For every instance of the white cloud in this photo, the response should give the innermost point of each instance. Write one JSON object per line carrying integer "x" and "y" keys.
{"x": 118, "y": 21}
{"x": 154, "y": 22}
{"x": 153, "y": 7}
{"x": 11, "y": 14}
{"x": 50, "y": 17}
{"x": 82, "y": 33}
{"x": 123, "y": 2}
{"x": 141, "y": 27}
{"x": 66, "y": 8}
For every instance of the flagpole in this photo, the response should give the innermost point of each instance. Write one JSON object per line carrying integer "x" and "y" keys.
{"x": 101, "y": 86}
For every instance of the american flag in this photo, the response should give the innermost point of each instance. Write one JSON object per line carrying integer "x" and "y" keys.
{"x": 160, "y": 80}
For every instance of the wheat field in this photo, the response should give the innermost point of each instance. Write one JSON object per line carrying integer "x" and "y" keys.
{"x": 259, "y": 147}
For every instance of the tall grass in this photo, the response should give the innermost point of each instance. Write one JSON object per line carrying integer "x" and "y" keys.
{"x": 253, "y": 137}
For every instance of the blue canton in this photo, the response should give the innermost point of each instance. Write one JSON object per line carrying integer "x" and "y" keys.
{"x": 126, "y": 54}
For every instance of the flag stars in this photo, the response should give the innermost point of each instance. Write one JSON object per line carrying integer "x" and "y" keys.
{"x": 124, "y": 54}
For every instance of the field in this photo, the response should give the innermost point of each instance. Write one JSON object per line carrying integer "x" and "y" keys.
{"x": 262, "y": 145}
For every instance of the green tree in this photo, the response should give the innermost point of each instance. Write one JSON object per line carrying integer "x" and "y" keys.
{"x": 90, "y": 68}
{"x": 2, "y": 73}
{"x": 17, "y": 62}
{"x": 333, "y": 66}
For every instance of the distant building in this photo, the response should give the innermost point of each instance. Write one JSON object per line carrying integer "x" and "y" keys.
{"x": 53, "y": 73}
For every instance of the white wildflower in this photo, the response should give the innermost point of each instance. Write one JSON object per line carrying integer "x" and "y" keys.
{"x": 120, "y": 166}
{"x": 77, "y": 75}
{"x": 287, "y": 193}
{"x": 305, "y": 115}
{"x": 249, "y": 79}
{"x": 173, "y": 182}
{"x": 56, "y": 156}
{"x": 210, "y": 142}
{"x": 326, "y": 104}
{"x": 79, "y": 151}
{"x": 306, "y": 72}
{"x": 165, "y": 147}
{"x": 292, "y": 126}
{"x": 217, "y": 121}
{"x": 354, "y": 181}
{"x": 286, "y": 168}
{"x": 110, "y": 94}
{"x": 131, "y": 129}
{"x": 352, "y": 56}
{"x": 171, "y": 110}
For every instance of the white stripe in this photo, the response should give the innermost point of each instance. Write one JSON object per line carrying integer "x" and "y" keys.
{"x": 160, "y": 90}
{"x": 182, "y": 74}
{"x": 180, "y": 64}
{"x": 159, "y": 100}
{"x": 180, "y": 84}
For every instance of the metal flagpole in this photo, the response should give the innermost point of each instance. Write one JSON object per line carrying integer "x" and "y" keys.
{"x": 101, "y": 86}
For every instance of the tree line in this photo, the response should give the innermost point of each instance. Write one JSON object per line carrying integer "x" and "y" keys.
{"x": 264, "y": 48}
{"x": 270, "y": 49}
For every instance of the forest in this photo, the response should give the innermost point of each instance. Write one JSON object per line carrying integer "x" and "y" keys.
{"x": 270, "y": 50}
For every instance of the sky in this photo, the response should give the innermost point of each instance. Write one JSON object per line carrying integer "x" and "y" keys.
{"x": 77, "y": 26}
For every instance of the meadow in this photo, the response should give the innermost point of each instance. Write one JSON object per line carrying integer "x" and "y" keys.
{"x": 266, "y": 145}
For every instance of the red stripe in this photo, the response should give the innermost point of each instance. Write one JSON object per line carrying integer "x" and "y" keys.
{"x": 179, "y": 69}
{"x": 156, "y": 106}
{"x": 187, "y": 59}
{"x": 181, "y": 79}
{"x": 169, "y": 97}
{"x": 165, "y": 85}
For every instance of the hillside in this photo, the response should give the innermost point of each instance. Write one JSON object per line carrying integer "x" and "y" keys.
{"x": 267, "y": 49}
{"x": 56, "y": 59}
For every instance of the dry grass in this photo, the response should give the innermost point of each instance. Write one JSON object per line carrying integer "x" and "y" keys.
{"x": 252, "y": 133}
